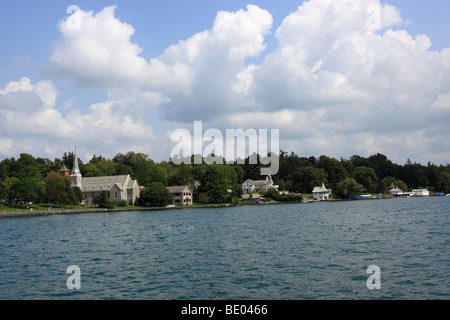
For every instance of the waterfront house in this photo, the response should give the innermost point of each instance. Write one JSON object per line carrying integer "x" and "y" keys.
{"x": 321, "y": 193}
{"x": 182, "y": 195}
{"x": 395, "y": 191}
{"x": 259, "y": 185}
{"x": 117, "y": 188}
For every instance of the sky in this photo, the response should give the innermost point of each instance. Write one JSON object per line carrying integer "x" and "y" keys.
{"x": 335, "y": 77}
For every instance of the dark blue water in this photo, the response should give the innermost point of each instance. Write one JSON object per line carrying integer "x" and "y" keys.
{"x": 285, "y": 252}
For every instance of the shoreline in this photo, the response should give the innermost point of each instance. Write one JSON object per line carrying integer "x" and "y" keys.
{"x": 99, "y": 210}
{"x": 20, "y": 214}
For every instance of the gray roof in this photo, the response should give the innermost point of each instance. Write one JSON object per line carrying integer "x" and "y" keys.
{"x": 321, "y": 189}
{"x": 267, "y": 181}
{"x": 64, "y": 168}
{"x": 131, "y": 183}
{"x": 103, "y": 183}
{"x": 177, "y": 189}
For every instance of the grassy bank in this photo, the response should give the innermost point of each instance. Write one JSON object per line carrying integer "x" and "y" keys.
{"x": 52, "y": 207}
{"x": 42, "y": 207}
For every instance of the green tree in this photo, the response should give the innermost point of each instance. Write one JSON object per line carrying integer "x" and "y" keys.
{"x": 5, "y": 165}
{"x": 306, "y": 178}
{"x": 77, "y": 195}
{"x": 401, "y": 184}
{"x": 91, "y": 170}
{"x": 348, "y": 187}
{"x": 182, "y": 175}
{"x": 389, "y": 181}
{"x": 358, "y": 161}
{"x": 155, "y": 195}
{"x": 348, "y": 166}
{"x": 24, "y": 167}
{"x": 145, "y": 170}
{"x": 102, "y": 201}
{"x": 289, "y": 164}
{"x": 28, "y": 189}
{"x": 382, "y": 165}
{"x": 334, "y": 169}
{"x": 434, "y": 175}
{"x": 215, "y": 182}
{"x": 3, "y": 191}
{"x": 444, "y": 182}
{"x": 56, "y": 188}
{"x": 366, "y": 177}
{"x": 381, "y": 187}
{"x": 10, "y": 193}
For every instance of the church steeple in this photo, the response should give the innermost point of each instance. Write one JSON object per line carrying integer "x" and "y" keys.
{"x": 75, "y": 177}
{"x": 75, "y": 168}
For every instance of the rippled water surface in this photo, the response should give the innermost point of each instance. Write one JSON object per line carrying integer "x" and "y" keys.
{"x": 283, "y": 252}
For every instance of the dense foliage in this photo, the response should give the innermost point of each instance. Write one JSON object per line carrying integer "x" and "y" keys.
{"x": 30, "y": 179}
{"x": 155, "y": 195}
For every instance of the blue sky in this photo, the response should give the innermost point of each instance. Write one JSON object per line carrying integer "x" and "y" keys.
{"x": 308, "y": 68}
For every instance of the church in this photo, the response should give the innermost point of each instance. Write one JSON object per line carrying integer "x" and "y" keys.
{"x": 117, "y": 188}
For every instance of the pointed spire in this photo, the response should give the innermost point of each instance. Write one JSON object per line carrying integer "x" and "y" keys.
{"x": 75, "y": 169}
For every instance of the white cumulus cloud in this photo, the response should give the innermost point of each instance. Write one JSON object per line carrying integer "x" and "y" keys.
{"x": 343, "y": 78}
{"x": 30, "y": 116}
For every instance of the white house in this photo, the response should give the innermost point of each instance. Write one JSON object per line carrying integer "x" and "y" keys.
{"x": 258, "y": 185}
{"x": 395, "y": 191}
{"x": 321, "y": 193}
{"x": 420, "y": 192}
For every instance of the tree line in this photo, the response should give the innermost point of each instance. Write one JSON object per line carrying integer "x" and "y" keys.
{"x": 30, "y": 179}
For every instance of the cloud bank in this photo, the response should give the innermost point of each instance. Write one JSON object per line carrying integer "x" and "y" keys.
{"x": 343, "y": 79}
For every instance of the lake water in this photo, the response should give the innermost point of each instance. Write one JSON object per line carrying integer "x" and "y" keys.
{"x": 268, "y": 252}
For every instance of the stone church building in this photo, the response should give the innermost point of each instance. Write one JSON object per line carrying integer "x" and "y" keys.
{"x": 117, "y": 188}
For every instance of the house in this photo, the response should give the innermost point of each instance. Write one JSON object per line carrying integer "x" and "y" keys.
{"x": 258, "y": 185}
{"x": 117, "y": 188}
{"x": 395, "y": 191}
{"x": 420, "y": 193}
{"x": 182, "y": 195}
{"x": 321, "y": 193}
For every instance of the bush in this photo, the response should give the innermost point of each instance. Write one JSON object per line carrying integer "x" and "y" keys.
{"x": 155, "y": 195}
{"x": 122, "y": 203}
{"x": 203, "y": 197}
{"x": 275, "y": 195}
{"x": 348, "y": 187}
{"x": 103, "y": 202}
{"x": 235, "y": 201}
